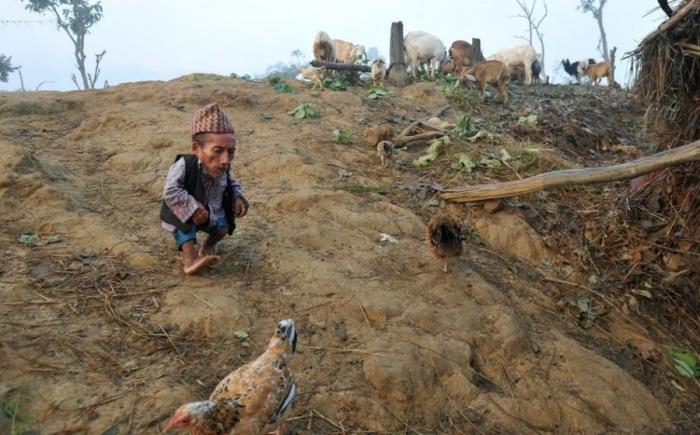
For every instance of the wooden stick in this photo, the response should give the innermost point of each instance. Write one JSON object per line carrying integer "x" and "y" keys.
{"x": 403, "y": 140}
{"x": 569, "y": 177}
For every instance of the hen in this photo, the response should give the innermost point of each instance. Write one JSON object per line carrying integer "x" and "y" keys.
{"x": 444, "y": 237}
{"x": 251, "y": 400}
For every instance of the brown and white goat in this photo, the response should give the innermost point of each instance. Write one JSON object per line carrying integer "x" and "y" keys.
{"x": 377, "y": 69}
{"x": 492, "y": 72}
{"x": 597, "y": 71}
{"x": 323, "y": 47}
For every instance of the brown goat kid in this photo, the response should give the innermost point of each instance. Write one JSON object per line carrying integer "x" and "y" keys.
{"x": 597, "y": 71}
{"x": 460, "y": 52}
{"x": 374, "y": 135}
{"x": 491, "y": 72}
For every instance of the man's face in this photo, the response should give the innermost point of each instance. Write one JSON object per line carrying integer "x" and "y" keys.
{"x": 216, "y": 153}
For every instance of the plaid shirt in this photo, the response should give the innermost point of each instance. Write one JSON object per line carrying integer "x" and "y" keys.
{"x": 183, "y": 205}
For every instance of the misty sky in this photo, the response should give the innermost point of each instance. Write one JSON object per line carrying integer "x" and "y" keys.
{"x": 164, "y": 39}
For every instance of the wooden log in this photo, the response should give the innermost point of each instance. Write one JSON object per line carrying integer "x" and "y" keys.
{"x": 476, "y": 55}
{"x": 569, "y": 177}
{"x": 397, "y": 64}
{"x": 403, "y": 140}
{"x": 341, "y": 66}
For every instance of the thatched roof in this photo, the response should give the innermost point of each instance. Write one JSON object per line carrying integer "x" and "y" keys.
{"x": 667, "y": 66}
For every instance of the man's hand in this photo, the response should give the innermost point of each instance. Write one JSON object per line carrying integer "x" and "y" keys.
{"x": 201, "y": 215}
{"x": 240, "y": 206}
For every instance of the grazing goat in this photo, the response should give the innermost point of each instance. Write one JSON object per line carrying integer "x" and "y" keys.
{"x": 492, "y": 72}
{"x": 347, "y": 52}
{"x": 377, "y": 69}
{"x": 460, "y": 52}
{"x": 518, "y": 72}
{"x": 597, "y": 71}
{"x": 575, "y": 69}
{"x": 421, "y": 47}
{"x": 314, "y": 74}
{"x": 521, "y": 55}
{"x": 323, "y": 47}
{"x": 447, "y": 66}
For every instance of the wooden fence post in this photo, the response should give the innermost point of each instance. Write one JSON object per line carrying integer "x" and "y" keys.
{"x": 397, "y": 64}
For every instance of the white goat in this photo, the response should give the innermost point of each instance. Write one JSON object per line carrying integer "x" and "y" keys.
{"x": 323, "y": 47}
{"x": 522, "y": 55}
{"x": 347, "y": 52}
{"x": 421, "y": 47}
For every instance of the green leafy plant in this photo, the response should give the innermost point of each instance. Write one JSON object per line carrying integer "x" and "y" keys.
{"x": 337, "y": 83}
{"x": 465, "y": 126}
{"x": 280, "y": 86}
{"x": 244, "y": 77}
{"x": 464, "y": 162}
{"x": 433, "y": 152}
{"x": 28, "y": 238}
{"x": 586, "y": 311}
{"x": 341, "y": 136}
{"x": 490, "y": 163}
{"x": 530, "y": 120}
{"x": 304, "y": 110}
{"x": 684, "y": 363}
{"x": 375, "y": 92}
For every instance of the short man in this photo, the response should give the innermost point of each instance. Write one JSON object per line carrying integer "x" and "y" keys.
{"x": 200, "y": 194}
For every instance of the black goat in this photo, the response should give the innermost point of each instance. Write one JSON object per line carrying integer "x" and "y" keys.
{"x": 575, "y": 69}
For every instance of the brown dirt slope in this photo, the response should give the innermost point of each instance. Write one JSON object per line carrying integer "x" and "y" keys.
{"x": 102, "y": 332}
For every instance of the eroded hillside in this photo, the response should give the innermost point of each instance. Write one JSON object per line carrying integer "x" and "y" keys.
{"x": 102, "y": 332}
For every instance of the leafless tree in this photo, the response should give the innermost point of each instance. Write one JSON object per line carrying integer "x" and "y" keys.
{"x": 533, "y": 25}
{"x": 595, "y": 7}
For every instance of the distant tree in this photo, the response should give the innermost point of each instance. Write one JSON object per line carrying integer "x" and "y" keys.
{"x": 595, "y": 7}
{"x": 287, "y": 69}
{"x": 6, "y": 67}
{"x": 372, "y": 53}
{"x": 75, "y": 17}
{"x": 534, "y": 25}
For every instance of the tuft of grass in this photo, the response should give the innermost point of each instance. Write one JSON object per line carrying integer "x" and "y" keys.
{"x": 19, "y": 424}
{"x": 356, "y": 188}
{"x": 342, "y": 137}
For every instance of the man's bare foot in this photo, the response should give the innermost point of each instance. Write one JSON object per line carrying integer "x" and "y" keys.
{"x": 198, "y": 264}
{"x": 208, "y": 250}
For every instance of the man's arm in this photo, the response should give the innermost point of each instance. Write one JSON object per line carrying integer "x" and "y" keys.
{"x": 178, "y": 200}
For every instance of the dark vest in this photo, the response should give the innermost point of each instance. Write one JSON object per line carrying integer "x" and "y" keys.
{"x": 194, "y": 185}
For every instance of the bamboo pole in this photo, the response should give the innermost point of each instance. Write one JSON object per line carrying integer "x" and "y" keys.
{"x": 569, "y": 177}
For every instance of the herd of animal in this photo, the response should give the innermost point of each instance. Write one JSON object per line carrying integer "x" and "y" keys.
{"x": 422, "y": 49}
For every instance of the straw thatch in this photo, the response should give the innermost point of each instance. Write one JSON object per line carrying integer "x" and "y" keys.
{"x": 667, "y": 64}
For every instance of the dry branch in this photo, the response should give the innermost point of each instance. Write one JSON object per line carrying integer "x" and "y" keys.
{"x": 570, "y": 177}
